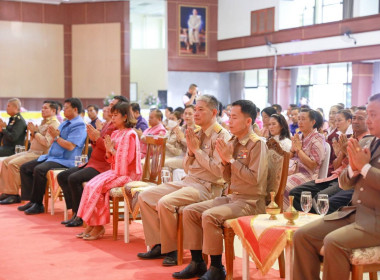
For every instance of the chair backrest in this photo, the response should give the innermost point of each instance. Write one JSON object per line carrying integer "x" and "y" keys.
{"x": 278, "y": 165}
{"x": 154, "y": 159}
{"x": 323, "y": 170}
{"x": 26, "y": 142}
{"x": 85, "y": 148}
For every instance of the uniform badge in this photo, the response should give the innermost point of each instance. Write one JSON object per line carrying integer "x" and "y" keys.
{"x": 243, "y": 153}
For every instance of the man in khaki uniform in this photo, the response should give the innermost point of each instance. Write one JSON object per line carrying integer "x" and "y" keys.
{"x": 245, "y": 166}
{"x": 203, "y": 182}
{"x": 351, "y": 227}
{"x": 40, "y": 143}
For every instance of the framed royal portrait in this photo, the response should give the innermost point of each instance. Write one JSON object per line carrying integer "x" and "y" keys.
{"x": 192, "y": 30}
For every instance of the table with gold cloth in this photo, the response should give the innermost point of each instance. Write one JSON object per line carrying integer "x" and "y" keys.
{"x": 264, "y": 240}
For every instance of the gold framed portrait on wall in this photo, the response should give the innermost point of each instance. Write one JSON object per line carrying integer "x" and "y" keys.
{"x": 193, "y": 30}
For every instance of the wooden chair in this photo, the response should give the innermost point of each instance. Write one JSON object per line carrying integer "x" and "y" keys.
{"x": 278, "y": 165}
{"x": 363, "y": 260}
{"x": 52, "y": 184}
{"x": 154, "y": 161}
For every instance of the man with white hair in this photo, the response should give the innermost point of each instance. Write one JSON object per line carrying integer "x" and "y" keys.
{"x": 13, "y": 133}
{"x": 203, "y": 181}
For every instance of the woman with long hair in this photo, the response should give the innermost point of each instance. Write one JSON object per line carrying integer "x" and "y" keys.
{"x": 123, "y": 152}
{"x": 279, "y": 131}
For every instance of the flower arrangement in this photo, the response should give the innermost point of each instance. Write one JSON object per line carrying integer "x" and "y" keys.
{"x": 108, "y": 99}
{"x": 152, "y": 100}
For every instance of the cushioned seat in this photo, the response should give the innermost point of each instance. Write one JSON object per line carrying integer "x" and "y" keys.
{"x": 364, "y": 256}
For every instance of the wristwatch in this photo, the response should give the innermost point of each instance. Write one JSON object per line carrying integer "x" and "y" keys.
{"x": 56, "y": 138}
{"x": 232, "y": 160}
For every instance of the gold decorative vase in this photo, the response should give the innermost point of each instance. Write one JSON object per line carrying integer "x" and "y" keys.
{"x": 272, "y": 208}
{"x": 291, "y": 213}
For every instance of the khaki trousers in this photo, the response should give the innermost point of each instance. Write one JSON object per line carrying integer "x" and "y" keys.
{"x": 159, "y": 207}
{"x": 338, "y": 237}
{"x": 202, "y": 222}
{"x": 10, "y": 180}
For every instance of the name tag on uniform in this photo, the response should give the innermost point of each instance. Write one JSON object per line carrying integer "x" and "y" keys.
{"x": 243, "y": 154}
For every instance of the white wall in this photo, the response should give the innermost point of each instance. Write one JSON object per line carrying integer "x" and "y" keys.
{"x": 234, "y": 16}
{"x": 149, "y": 71}
{"x": 216, "y": 84}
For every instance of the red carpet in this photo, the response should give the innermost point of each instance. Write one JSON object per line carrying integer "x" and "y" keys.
{"x": 39, "y": 247}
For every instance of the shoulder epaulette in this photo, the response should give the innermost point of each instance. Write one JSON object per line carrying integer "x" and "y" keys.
{"x": 254, "y": 137}
{"x": 217, "y": 128}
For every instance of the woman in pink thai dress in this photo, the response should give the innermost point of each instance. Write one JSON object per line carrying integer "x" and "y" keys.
{"x": 123, "y": 152}
{"x": 307, "y": 153}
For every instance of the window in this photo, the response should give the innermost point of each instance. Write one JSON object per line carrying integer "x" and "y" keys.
{"x": 256, "y": 87}
{"x": 324, "y": 85}
{"x": 262, "y": 21}
{"x": 332, "y": 10}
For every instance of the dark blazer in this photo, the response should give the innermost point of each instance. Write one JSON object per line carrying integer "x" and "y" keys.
{"x": 366, "y": 197}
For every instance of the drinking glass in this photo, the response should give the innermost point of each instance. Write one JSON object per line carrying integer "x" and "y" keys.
{"x": 165, "y": 175}
{"x": 323, "y": 204}
{"x": 17, "y": 149}
{"x": 84, "y": 159}
{"x": 22, "y": 149}
{"x": 78, "y": 160}
{"x": 306, "y": 201}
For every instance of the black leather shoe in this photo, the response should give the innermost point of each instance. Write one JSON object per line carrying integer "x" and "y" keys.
{"x": 25, "y": 207}
{"x": 169, "y": 261}
{"x": 77, "y": 222}
{"x": 4, "y": 196}
{"x": 11, "y": 199}
{"x": 35, "y": 209}
{"x": 69, "y": 220}
{"x": 192, "y": 270}
{"x": 154, "y": 253}
{"x": 214, "y": 273}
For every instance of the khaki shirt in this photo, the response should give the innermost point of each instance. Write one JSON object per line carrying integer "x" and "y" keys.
{"x": 248, "y": 173}
{"x": 205, "y": 164}
{"x": 41, "y": 141}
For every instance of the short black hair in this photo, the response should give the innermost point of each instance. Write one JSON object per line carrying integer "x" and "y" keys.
{"x": 59, "y": 104}
{"x": 75, "y": 103}
{"x": 158, "y": 113}
{"x": 305, "y": 106}
{"x": 278, "y": 108}
{"x": 124, "y": 108}
{"x": 135, "y": 107}
{"x": 96, "y": 107}
{"x": 346, "y": 113}
{"x": 52, "y": 104}
{"x": 284, "y": 133}
{"x": 248, "y": 108}
{"x": 318, "y": 120}
{"x": 375, "y": 97}
{"x": 362, "y": 108}
{"x": 121, "y": 98}
{"x": 179, "y": 109}
{"x": 170, "y": 109}
{"x": 269, "y": 111}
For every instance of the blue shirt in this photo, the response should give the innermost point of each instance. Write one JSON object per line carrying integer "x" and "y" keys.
{"x": 293, "y": 128}
{"x": 73, "y": 131}
{"x": 141, "y": 123}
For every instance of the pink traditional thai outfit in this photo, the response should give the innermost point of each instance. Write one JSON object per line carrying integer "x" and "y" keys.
{"x": 125, "y": 167}
{"x": 314, "y": 147}
{"x": 158, "y": 130}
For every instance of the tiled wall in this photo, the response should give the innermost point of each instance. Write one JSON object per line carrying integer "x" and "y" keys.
{"x": 68, "y": 15}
